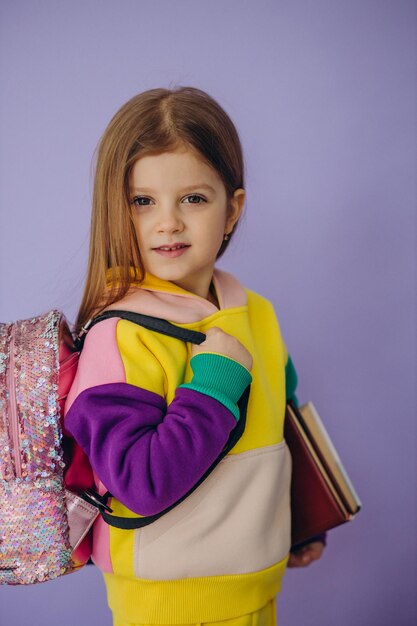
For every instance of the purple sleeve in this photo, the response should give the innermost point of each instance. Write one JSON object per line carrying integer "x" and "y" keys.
{"x": 148, "y": 455}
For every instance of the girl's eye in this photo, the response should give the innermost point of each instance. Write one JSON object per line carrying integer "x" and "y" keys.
{"x": 138, "y": 201}
{"x": 195, "y": 196}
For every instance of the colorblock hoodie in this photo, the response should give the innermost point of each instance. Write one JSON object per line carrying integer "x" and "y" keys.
{"x": 152, "y": 419}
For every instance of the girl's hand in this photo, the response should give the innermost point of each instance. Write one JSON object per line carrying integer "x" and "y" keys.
{"x": 306, "y": 555}
{"x": 222, "y": 343}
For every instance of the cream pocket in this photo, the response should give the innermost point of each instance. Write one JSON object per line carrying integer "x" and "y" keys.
{"x": 237, "y": 521}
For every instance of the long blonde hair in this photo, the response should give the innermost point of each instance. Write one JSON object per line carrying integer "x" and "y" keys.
{"x": 152, "y": 122}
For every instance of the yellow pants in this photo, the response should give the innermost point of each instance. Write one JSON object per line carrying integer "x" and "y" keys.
{"x": 265, "y": 616}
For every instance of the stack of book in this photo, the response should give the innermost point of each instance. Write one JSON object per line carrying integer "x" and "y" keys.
{"x": 322, "y": 495}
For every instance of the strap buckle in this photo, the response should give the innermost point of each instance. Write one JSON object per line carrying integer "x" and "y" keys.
{"x": 91, "y": 496}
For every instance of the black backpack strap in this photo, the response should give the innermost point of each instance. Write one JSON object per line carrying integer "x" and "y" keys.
{"x": 147, "y": 321}
{"x": 130, "y": 523}
{"x": 166, "y": 328}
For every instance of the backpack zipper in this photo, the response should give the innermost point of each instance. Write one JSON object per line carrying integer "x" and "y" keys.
{"x": 13, "y": 420}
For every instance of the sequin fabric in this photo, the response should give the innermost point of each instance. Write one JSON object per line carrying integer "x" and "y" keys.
{"x": 34, "y": 533}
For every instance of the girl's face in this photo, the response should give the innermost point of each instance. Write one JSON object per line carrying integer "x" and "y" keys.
{"x": 180, "y": 215}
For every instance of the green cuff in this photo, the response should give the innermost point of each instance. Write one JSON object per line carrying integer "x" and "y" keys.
{"x": 219, "y": 377}
{"x": 291, "y": 381}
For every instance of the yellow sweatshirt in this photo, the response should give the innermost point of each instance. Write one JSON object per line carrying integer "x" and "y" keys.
{"x": 149, "y": 416}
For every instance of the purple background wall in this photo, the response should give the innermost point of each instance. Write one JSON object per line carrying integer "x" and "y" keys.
{"x": 323, "y": 94}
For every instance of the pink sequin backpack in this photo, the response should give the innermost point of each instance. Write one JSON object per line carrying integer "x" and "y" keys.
{"x": 47, "y": 499}
{"x": 44, "y": 523}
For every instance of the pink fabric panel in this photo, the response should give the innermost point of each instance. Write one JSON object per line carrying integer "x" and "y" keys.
{"x": 179, "y": 308}
{"x": 101, "y": 546}
{"x": 101, "y": 537}
{"x": 229, "y": 290}
{"x": 100, "y": 360}
{"x": 184, "y": 308}
{"x": 99, "y": 363}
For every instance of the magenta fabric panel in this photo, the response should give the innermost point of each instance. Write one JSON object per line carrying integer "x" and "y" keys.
{"x": 147, "y": 454}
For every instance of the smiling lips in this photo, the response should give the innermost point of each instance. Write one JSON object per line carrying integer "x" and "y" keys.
{"x": 173, "y": 250}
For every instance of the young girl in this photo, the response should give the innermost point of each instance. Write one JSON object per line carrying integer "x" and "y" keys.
{"x": 153, "y": 412}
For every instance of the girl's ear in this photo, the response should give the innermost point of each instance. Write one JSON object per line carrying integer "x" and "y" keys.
{"x": 236, "y": 207}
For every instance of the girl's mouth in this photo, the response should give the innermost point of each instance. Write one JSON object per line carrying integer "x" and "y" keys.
{"x": 172, "y": 251}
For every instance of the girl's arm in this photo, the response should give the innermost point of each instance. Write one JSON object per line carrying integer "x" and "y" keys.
{"x": 148, "y": 454}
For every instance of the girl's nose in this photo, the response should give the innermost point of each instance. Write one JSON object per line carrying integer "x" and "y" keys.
{"x": 170, "y": 221}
